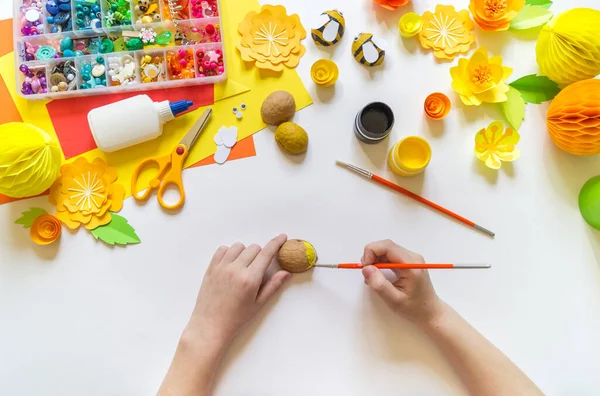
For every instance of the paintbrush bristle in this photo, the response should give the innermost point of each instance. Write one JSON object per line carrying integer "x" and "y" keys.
{"x": 341, "y": 163}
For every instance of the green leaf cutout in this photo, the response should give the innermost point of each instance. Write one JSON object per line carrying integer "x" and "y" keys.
{"x": 117, "y": 232}
{"x": 29, "y": 216}
{"x": 514, "y": 108}
{"x": 541, "y": 3}
{"x": 530, "y": 17}
{"x": 536, "y": 89}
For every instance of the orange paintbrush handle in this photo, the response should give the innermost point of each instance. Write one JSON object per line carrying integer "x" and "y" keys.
{"x": 427, "y": 202}
{"x": 396, "y": 266}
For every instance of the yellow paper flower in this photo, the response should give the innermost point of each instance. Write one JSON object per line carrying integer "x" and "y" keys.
{"x": 45, "y": 229}
{"x": 493, "y": 15}
{"x": 271, "y": 38}
{"x": 447, "y": 32}
{"x": 493, "y": 145}
{"x": 480, "y": 79}
{"x": 85, "y": 194}
{"x": 324, "y": 72}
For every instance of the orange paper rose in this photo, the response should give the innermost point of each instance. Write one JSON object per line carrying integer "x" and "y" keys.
{"x": 495, "y": 15}
{"x": 85, "y": 194}
{"x": 391, "y": 4}
{"x": 45, "y": 229}
{"x": 437, "y": 106}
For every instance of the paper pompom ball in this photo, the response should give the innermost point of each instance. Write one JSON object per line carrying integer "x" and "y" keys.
{"x": 29, "y": 160}
{"x": 568, "y": 49}
{"x": 574, "y": 118}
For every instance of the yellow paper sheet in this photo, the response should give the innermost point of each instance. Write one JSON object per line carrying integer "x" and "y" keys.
{"x": 241, "y": 76}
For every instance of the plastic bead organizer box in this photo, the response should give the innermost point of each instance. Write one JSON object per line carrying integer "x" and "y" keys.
{"x": 67, "y": 48}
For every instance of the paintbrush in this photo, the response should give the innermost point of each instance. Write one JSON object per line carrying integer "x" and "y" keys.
{"x": 393, "y": 186}
{"x": 406, "y": 266}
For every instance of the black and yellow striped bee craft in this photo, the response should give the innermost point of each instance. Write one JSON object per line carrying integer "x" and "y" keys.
{"x": 366, "y": 52}
{"x": 332, "y": 31}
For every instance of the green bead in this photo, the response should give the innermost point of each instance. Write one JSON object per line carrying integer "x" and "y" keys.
{"x": 114, "y": 7}
{"x": 164, "y": 37}
{"x": 134, "y": 44}
{"x": 106, "y": 46}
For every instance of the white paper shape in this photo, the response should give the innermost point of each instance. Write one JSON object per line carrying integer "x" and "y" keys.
{"x": 370, "y": 52}
{"x": 229, "y": 136}
{"x": 331, "y": 31}
{"x": 222, "y": 154}
{"x": 218, "y": 139}
{"x": 321, "y": 20}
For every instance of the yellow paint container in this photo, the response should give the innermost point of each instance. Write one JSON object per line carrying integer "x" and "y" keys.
{"x": 410, "y": 156}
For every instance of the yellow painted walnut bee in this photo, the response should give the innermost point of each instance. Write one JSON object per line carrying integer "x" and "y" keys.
{"x": 366, "y": 52}
{"x": 331, "y": 32}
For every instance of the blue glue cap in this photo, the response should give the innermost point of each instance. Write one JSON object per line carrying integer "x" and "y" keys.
{"x": 180, "y": 106}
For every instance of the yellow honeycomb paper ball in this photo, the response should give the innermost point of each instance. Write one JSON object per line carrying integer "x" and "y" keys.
{"x": 29, "y": 160}
{"x": 568, "y": 49}
{"x": 574, "y": 118}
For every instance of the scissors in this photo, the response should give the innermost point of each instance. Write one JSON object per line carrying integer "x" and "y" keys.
{"x": 170, "y": 167}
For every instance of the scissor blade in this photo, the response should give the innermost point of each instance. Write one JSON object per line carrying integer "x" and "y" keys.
{"x": 190, "y": 138}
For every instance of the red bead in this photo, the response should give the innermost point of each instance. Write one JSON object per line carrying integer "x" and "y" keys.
{"x": 179, "y": 150}
{"x": 210, "y": 29}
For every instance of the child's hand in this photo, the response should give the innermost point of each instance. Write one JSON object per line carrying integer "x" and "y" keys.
{"x": 412, "y": 294}
{"x": 234, "y": 290}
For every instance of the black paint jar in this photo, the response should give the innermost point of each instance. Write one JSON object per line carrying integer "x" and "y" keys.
{"x": 374, "y": 122}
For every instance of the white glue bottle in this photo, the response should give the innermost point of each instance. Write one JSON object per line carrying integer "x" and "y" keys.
{"x": 132, "y": 121}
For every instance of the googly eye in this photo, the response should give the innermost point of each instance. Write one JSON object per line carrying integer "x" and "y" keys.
{"x": 235, "y": 110}
{"x": 243, "y": 106}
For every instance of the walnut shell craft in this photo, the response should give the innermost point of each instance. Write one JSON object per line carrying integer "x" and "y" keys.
{"x": 568, "y": 49}
{"x": 366, "y": 52}
{"x": 332, "y": 31}
{"x": 574, "y": 118}
{"x": 297, "y": 255}
{"x": 278, "y": 108}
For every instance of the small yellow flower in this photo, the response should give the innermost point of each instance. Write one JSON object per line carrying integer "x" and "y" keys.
{"x": 45, "y": 229}
{"x": 480, "y": 79}
{"x": 494, "y": 145}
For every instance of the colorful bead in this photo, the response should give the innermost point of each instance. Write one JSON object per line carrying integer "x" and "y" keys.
{"x": 63, "y": 76}
{"x": 210, "y": 63}
{"x": 121, "y": 70}
{"x": 152, "y": 68}
{"x": 181, "y": 64}
{"x": 92, "y": 73}
{"x": 31, "y": 18}
{"x": 34, "y": 80}
{"x": 87, "y": 15}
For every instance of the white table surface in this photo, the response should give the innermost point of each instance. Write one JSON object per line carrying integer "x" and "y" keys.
{"x": 81, "y": 318}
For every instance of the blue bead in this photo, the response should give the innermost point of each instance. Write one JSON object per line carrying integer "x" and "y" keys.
{"x": 50, "y": 20}
{"x": 66, "y": 43}
{"x": 65, "y": 7}
{"x": 52, "y": 7}
{"x": 55, "y": 29}
{"x": 100, "y": 60}
{"x": 68, "y": 53}
{"x": 62, "y": 17}
{"x": 78, "y": 7}
{"x": 86, "y": 9}
{"x": 78, "y": 53}
{"x": 98, "y": 80}
{"x": 95, "y": 9}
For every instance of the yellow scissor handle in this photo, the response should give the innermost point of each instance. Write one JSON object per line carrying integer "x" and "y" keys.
{"x": 170, "y": 168}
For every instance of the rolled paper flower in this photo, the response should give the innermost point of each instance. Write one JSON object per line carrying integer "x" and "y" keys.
{"x": 391, "y": 4}
{"x": 45, "y": 229}
{"x": 410, "y": 24}
{"x": 324, "y": 72}
{"x": 437, "y": 106}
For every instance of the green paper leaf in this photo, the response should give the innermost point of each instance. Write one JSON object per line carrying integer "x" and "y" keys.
{"x": 536, "y": 89}
{"x": 541, "y": 3}
{"x": 514, "y": 108}
{"x": 118, "y": 232}
{"x": 530, "y": 17}
{"x": 29, "y": 216}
